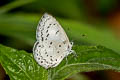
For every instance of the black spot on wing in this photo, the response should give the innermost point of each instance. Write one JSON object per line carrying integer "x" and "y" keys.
{"x": 56, "y": 59}
{"x": 47, "y": 35}
{"x": 36, "y": 45}
{"x": 50, "y": 42}
{"x": 39, "y": 45}
{"x": 59, "y": 45}
{"x": 57, "y": 32}
{"x": 45, "y": 52}
{"x": 38, "y": 58}
{"x": 42, "y": 38}
{"x": 46, "y": 31}
{"x": 43, "y": 16}
{"x": 48, "y": 27}
{"x": 57, "y": 51}
{"x": 41, "y": 61}
{"x": 51, "y": 59}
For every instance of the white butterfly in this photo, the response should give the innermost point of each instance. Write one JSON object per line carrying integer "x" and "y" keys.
{"x": 52, "y": 43}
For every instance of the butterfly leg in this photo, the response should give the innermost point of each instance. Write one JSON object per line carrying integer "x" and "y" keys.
{"x": 74, "y": 53}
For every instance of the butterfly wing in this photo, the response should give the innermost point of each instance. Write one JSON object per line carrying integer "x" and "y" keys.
{"x": 52, "y": 42}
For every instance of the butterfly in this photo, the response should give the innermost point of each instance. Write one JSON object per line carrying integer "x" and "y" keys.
{"x": 52, "y": 44}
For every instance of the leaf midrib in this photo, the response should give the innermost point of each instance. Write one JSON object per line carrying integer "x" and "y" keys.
{"x": 108, "y": 67}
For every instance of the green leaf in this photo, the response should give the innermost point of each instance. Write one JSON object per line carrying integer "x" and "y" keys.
{"x": 21, "y": 65}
